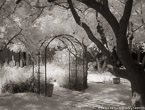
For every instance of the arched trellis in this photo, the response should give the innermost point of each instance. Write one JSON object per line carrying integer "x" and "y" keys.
{"x": 64, "y": 38}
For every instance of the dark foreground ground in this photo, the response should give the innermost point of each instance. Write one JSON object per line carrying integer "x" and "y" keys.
{"x": 97, "y": 95}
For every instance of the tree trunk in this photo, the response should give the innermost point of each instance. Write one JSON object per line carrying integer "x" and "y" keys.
{"x": 134, "y": 72}
{"x": 143, "y": 62}
{"x": 138, "y": 56}
{"x": 104, "y": 65}
{"x": 85, "y": 81}
{"x": 130, "y": 35}
{"x": 98, "y": 65}
{"x": 137, "y": 80}
{"x": 138, "y": 95}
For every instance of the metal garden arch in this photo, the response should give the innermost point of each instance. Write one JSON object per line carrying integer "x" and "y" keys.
{"x": 64, "y": 38}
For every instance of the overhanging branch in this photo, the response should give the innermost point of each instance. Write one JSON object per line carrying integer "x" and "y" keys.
{"x": 126, "y": 16}
{"x": 122, "y": 42}
{"x": 1, "y": 6}
{"x": 11, "y": 40}
{"x": 89, "y": 32}
{"x": 104, "y": 10}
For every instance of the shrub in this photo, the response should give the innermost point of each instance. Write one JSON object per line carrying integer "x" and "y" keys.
{"x": 29, "y": 85}
{"x": 17, "y": 79}
{"x": 13, "y": 75}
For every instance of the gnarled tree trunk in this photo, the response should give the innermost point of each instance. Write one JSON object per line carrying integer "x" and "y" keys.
{"x": 137, "y": 80}
{"x": 133, "y": 72}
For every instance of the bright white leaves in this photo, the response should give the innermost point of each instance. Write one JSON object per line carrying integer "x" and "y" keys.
{"x": 144, "y": 47}
{"x": 17, "y": 20}
{"x": 56, "y": 22}
{"x": 17, "y": 47}
{"x": 2, "y": 31}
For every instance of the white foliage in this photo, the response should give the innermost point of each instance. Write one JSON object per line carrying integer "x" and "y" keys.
{"x": 17, "y": 47}
{"x": 14, "y": 74}
{"x": 56, "y": 22}
{"x": 55, "y": 72}
{"x": 143, "y": 46}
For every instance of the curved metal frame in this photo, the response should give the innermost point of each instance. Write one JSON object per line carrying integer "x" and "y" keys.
{"x": 63, "y": 36}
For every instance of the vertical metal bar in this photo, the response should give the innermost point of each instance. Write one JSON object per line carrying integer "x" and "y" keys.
{"x": 38, "y": 74}
{"x": 76, "y": 72}
{"x": 19, "y": 58}
{"x": 69, "y": 69}
{"x": 33, "y": 69}
{"x": 138, "y": 56}
{"x": 86, "y": 66}
{"x": 83, "y": 69}
{"x": 8, "y": 57}
{"x": 46, "y": 71}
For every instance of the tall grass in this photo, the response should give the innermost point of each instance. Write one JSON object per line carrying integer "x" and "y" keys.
{"x": 55, "y": 73}
{"x": 14, "y": 74}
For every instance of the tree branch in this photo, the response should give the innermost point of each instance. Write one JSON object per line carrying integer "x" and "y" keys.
{"x": 122, "y": 43}
{"x": 104, "y": 10}
{"x": 11, "y": 12}
{"x": 126, "y": 16}
{"x": 11, "y": 40}
{"x": 115, "y": 9}
{"x": 89, "y": 32}
{"x": 18, "y": 1}
{"x": 39, "y": 14}
{"x": 2, "y": 4}
{"x": 138, "y": 28}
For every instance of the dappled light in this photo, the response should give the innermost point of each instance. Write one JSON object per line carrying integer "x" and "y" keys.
{"x": 27, "y": 101}
{"x": 75, "y": 100}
